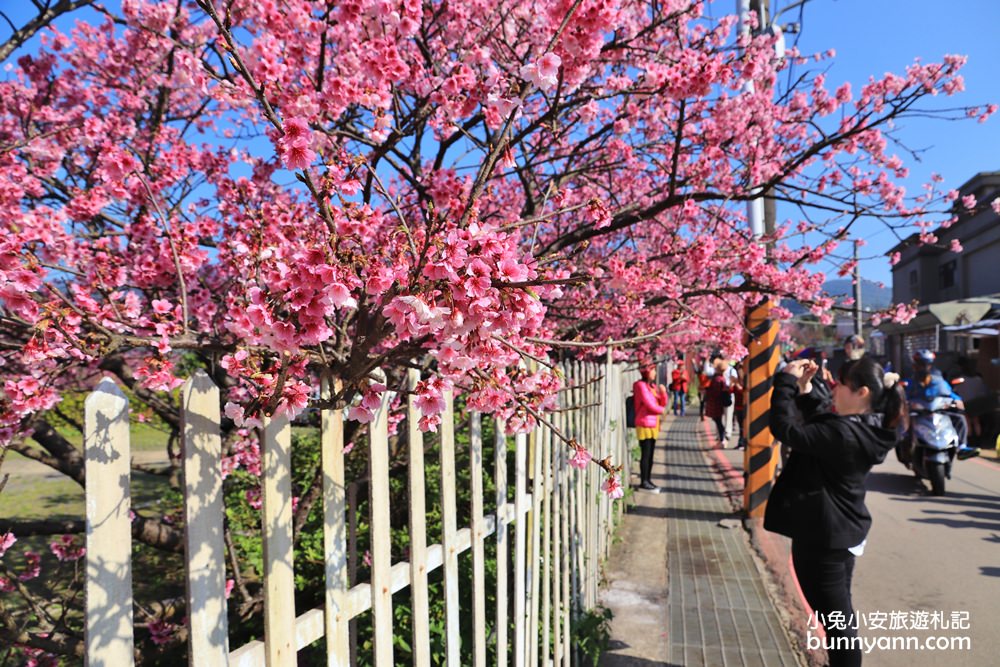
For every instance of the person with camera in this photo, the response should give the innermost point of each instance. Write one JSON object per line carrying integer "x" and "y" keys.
{"x": 819, "y": 498}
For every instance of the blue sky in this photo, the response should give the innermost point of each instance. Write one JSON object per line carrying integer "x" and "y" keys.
{"x": 872, "y": 37}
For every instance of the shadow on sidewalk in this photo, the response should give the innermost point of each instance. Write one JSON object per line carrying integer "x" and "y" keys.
{"x": 678, "y": 513}
{"x": 617, "y": 660}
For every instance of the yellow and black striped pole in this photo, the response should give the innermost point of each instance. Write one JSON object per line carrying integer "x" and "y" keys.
{"x": 761, "y": 456}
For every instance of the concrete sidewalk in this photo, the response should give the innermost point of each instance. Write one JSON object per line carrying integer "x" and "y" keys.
{"x": 683, "y": 581}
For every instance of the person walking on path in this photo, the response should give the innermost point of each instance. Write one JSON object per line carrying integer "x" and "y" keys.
{"x": 819, "y": 498}
{"x": 679, "y": 388}
{"x": 650, "y": 403}
{"x": 704, "y": 379}
{"x": 718, "y": 396}
{"x": 740, "y": 405}
{"x": 729, "y": 410}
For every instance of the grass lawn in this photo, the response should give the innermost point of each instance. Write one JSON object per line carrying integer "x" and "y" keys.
{"x": 55, "y": 496}
{"x": 58, "y": 497}
{"x": 143, "y": 438}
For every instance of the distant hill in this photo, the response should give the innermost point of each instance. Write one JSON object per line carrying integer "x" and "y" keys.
{"x": 873, "y": 295}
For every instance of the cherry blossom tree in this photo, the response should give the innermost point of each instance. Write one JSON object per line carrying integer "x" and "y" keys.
{"x": 287, "y": 192}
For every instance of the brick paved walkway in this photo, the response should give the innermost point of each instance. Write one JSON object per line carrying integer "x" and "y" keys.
{"x": 684, "y": 588}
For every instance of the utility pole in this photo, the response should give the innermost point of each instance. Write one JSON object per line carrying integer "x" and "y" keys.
{"x": 760, "y": 459}
{"x": 858, "y": 326}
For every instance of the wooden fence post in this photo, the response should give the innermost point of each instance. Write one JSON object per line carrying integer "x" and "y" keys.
{"x": 534, "y": 555}
{"x": 279, "y": 579}
{"x": 520, "y": 510}
{"x": 108, "y": 630}
{"x": 478, "y": 536}
{"x": 418, "y": 532}
{"x": 336, "y": 623}
{"x": 449, "y": 536}
{"x": 559, "y": 520}
{"x": 500, "y": 477}
{"x": 205, "y": 549}
{"x": 546, "y": 553}
{"x": 565, "y": 501}
{"x": 381, "y": 534}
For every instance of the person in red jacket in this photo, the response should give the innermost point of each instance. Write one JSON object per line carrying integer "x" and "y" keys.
{"x": 650, "y": 402}
{"x": 704, "y": 380}
{"x": 679, "y": 388}
{"x": 715, "y": 403}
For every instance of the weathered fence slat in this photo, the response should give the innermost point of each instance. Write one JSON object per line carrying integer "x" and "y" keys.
{"x": 559, "y": 450}
{"x": 336, "y": 621}
{"x": 586, "y": 503}
{"x": 478, "y": 537}
{"x": 566, "y": 513}
{"x": 592, "y": 497}
{"x": 520, "y": 558}
{"x": 108, "y": 629}
{"x": 607, "y": 448}
{"x": 448, "y": 527}
{"x": 546, "y": 589}
{"x": 279, "y": 580}
{"x": 576, "y": 477}
{"x": 205, "y": 554}
{"x": 381, "y": 534}
{"x": 500, "y": 481}
{"x": 418, "y": 533}
{"x": 535, "y": 556}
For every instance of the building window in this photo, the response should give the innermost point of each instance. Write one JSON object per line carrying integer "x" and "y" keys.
{"x": 913, "y": 283}
{"x": 946, "y": 274}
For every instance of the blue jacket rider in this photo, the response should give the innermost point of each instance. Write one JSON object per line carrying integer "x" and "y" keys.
{"x": 928, "y": 384}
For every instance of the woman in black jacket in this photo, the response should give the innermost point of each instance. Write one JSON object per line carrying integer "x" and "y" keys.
{"x": 819, "y": 498}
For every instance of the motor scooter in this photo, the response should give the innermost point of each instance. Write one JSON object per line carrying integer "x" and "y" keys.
{"x": 930, "y": 445}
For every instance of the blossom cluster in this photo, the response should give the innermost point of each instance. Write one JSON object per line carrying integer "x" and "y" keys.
{"x": 297, "y": 191}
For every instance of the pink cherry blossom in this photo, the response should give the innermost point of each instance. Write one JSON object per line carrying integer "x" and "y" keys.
{"x": 465, "y": 193}
{"x": 162, "y": 632}
{"x": 612, "y": 486}
{"x": 581, "y": 457}
{"x": 6, "y": 542}
{"x": 67, "y": 548}
{"x": 32, "y": 566}
{"x": 544, "y": 72}
{"x": 295, "y": 145}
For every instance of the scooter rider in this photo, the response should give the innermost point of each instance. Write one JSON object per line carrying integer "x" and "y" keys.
{"x": 927, "y": 384}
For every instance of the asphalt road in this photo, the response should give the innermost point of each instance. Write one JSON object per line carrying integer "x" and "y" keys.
{"x": 935, "y": 561}
{"x": 929, "y": 562}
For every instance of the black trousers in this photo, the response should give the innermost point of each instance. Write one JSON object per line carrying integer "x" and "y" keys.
{"x": 646, "y": 459}
{"x": 720, "y": 427}
{"x": 825, "y": 577}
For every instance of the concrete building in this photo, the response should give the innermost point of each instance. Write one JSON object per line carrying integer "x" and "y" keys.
{"x": 958, "y": 293}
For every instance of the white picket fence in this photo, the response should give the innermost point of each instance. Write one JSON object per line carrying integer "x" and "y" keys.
{"x": 562, "y": 527}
